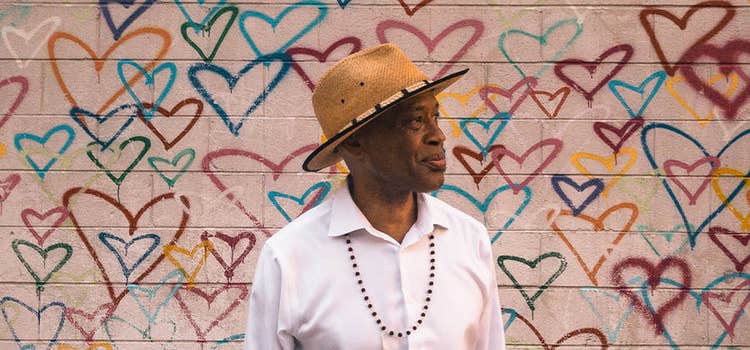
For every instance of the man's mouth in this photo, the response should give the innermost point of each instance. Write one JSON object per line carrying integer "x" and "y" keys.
{"x": 435, "y": 162}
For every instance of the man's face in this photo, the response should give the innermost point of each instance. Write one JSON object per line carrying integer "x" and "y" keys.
{"x": 403, "y": 148}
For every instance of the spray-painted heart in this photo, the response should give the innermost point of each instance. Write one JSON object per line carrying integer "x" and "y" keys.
{"x": 530, "y": 300}
{"x": 8, "y": 83}
{"x": 621, "y": 134}
{"x": 47, "y": 27}
{"x": 733, "y": 81}
{"x": 295, "y": 52}
{"x": 673, "y": 248}
{"x": 501, "y": 154}
{"x": 171, "y": 69}
{"x": 205, "y": 247}
{"x": 120, "y": 251}
{"x": 602, "y": 312}
{"x": 557, "y": 98}
{"x": 613, "y": 85}
{"x": 730, "y": 173}
{"x": 492, "y": 127}
{"x": 187, "y": 153}
{"x": 316, "y": 192}
{"x": 412, "y": 9}
{"x": 588, "y": 334}
{"x": 460, "y": 152}
{"x": 50, "y": 220}
{"x": 233, "y": 12}
{"x": 719, "y": 235}
{"x": 62, "y": 128}
{"x": 597, "y": 185}
{"x": 170, "y": 114}
{"x": 55, "y": 324}
{"x": 610, "y": 163}
{"x": 130, "y": 111}
{"x": 709, "y": 297}
{"x": 88, "y": 323}
{"x": 152, "y": 301}
{"x": 232, "y": 241}
{"x": 303, "y": 5}
{"x": 37, "y": 271}
{"x": 6, "y": 186}
{"x": 487, "y": 94}
{"x": 592, "y": 67}
{"x": 713, "y": 165}
{"x": 192, "y": 301}
{"x": 117, "y": 30}
{"x": 145, "y": 144}
{"x": 217, "y": 6}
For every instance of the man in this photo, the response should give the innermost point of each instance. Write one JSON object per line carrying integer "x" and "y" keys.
{"x": 380, "y": 265}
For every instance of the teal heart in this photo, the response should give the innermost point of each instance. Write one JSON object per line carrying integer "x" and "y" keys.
{"x": 64, "y": 128}
{"x": 543, "y": 41}
{"x": 613, "y": 85}
{"x": 610, "y": 330}
{"x": 320, "y": 188}
{"x": 666, "y": 235}
{"x": 151, "y": 292}
{"x": 174, "y": 163}
{"x": 493, "y": 127}
{"x": 43, "y": 252}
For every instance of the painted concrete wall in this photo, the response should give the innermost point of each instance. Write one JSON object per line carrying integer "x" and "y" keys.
{"x": 143, "y": 165}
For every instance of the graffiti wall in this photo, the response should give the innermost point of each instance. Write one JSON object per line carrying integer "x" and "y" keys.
{"x": 148, "y": 149}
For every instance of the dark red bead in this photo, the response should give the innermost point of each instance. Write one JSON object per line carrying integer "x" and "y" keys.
{"x": 391, "y": 332}
{"x": 399, "y": 334}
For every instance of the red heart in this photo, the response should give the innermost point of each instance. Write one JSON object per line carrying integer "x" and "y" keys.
{"x": 232, "y": 241}
{"x": 654, "y": 274}
{"x": 574, "y": 333}
{"x": 717, "y": 234}
{"x": 60, "y": 212}
{"x": 668, "y": 164}
{"x": 186, "y": 298}
{"x": 24, "y": 89}
{"x": 727, "y": 58}
{"x": 551, "y": 96}
{"x": 486, "y": 90}
{"x": 169, "y": 114}
{"x": 592, "y": 67}
{"x": 93, "y": 320}
{"x": 8, "y": 184}
{"x": 622, "y": 133}
{"x": 459, "y": 152}
{"x": 707, "y": 298}
{"x": 411, "y": 10}
{"x": 476, "y": 25}
{"x": 320, "y": 56}
{"x": 499, "y": 153}
{"x": 132, "y": 223}
{"x": 276, "y": 169}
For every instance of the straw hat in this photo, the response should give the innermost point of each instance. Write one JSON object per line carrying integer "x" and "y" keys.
{"x": 361, "y": 87}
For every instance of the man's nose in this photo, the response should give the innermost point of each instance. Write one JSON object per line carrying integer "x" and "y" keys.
{"x": 435, "y": 135}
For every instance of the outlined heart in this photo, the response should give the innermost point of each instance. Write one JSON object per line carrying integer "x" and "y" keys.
{"x": 610, "y": 163}
{"x": 88, "y": 323}
{"x": 556, "y": 98}
{"x": 57, "y": 326}
{"x": 275, "y": 22}
{"x": 276, "y": 169}
{"x": 6, "y": 186}
{"x": 615, "y": 85}
{"x": 664, "y": 128}
{"x": 621, "y": 134}
{"x": 543, "y": 40}
{"x": 232, "y": 241}
{"x": 77, "y": 113}
{"x": 653, "y": 273}
{"x": 593, "y": 333}
{"x": 232, "y": 79}
{"x": 7, "y": 83}
{"x": 62, "y": 128}
{"x": 464, "y": 44}
{"x": 461, "y": 152}
{"x": 150, "y": 83}
{"x": 412, "y": 9}
{"x": 117, "y": 30}
{"x": 708, "y": 297}
{"x": 40, "y": 278}
{"x": 744, "y": 219}
{"x": 50, "y": 220}
{"x": 132, "y": 222}
{"x": 465, "y": 100}
{"x": 320, "y": 56}
{"x": 598, "y": 226}
{"x": 682, "y": 22}
{"x": 186, "y": 300}
{"x": 525, "y": 85}
{"x": 147, "y": 33}
{"x": 719, "y": 235}
{"x": 612, "y": 331}
{"x": 188, "y": 153}
{"x": 501, "y": 154}
{"x": 675, "y": 247}
{"x": 23, "y": 59}
{"x": 732, "y": 78}
{"x": 597, "y": 185}
{"x": 152, "y": 301}
{"x": 483, "y": 205}
{"x": 204, "y": 247}
{"x": 135, "y": 140}
{"x": 713, "y": 163}
{"x": 592, "y": 67}
{"x": 316, "y": 192}
{"x": 530, "y": 300}
{"x": 500, "y": 119}
{"x": 173, "y": 113}
{"x": 206, "y": 27}
{"x": 109, "y": 240}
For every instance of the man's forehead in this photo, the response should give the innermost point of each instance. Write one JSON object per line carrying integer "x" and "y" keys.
{"x": 421, "y": 102}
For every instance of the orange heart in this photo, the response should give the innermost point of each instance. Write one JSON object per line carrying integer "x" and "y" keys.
{"x": 463, "y": 99}
{"x": 743, "y": 218}
{"x": 149, "y": 32}
{"x": 609, "y": 162}
{"x": 702, "y": 120}
{"x": 205, "y": 246}
{"x": 598, "y": 226}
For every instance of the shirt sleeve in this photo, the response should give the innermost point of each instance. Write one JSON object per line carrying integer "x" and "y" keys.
{"x": 492, "y": 334}
{"x": 268, "y": 322}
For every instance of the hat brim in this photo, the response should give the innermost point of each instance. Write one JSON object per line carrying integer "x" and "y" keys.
{"x": 324, "y": 156}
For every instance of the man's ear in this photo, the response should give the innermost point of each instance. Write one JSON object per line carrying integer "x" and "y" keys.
{"x": 351, "y": 147}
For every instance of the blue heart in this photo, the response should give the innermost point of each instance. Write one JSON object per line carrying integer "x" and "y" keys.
{"x": 598, "y": 187}
{"x": 343, "y": 3}
{"x": 611, "y": 333}
{"x": 613, "y": 85}
{"x": 118, "y": 30}
{"x": 205, "y": 19}
{"x": 38, "y": 314}
{"x": 693, "y": 234}
{"x": 42, "y": 140}
{"x": 232, "y": 80}
{"x": 504, "y": 118}
{"x": 76, "y": 113}
{"x": 152, "y": 291}
{"x": 148, "y": 113}
{"x": 274, "y": 22}
{"x": 326, "y": 187}
{"x": 106, "y": 239}
{"x": 484, "y": 205}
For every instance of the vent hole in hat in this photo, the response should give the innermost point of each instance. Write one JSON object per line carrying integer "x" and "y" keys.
{"x": 361, "y": 83}
{"x": 342, "y": 100}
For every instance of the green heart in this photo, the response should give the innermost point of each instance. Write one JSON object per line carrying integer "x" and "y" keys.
{"x": 532, "y": 264}
{"x": 43, "y": 252}
{"x": 642, "y": 194}
{"x": 170, "y": 181}
{"x": 207, "y": 28}
{"x": 543, "y": 42}
{"x": 119, "y": 179}
{"x": 144, "y": 333}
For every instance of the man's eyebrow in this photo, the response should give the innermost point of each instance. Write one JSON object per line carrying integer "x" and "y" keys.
{"x": 422, "y": 107}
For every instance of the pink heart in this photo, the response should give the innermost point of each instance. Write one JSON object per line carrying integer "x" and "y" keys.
{"x": 59, "y": 215}
{"x": 232, "y": 241}
{"x": 89, "y": 322}
{"x": 6, "y": 186}
{"x": 187, "y": 297}
{"x": 321, "y": 57}
{"x": 529, "y": 83}
{"x": 708, "y": 298}
{"x": 503, "y": 153}
{"x": 24, "y": 85}
{"x": 431, "y": 44}
{"x": 668, "y": 164}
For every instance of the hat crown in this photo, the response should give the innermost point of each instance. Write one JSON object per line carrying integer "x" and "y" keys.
{"x": 360, "y": 81}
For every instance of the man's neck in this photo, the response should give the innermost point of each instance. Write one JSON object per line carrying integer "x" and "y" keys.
{"x": 388, "y": 210}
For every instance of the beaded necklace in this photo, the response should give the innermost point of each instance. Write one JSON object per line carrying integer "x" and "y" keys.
{"x": 366, "y": 297}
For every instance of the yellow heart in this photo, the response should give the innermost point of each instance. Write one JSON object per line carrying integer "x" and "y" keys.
{"x": 464, "y": 100}
{"x": 744, "y": 219}
{"x": 2, "y": 149}
{"x": 508, "y": 22}
{"x": 92, "y": 346}
{"x": 205, "y": 246}
{"x": 77, "y": 297}
{"x": 609, "y": 162}
{"x": 734, "y": 82}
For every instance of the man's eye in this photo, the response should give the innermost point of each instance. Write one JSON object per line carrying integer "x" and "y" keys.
{"x": 415, "y": 123}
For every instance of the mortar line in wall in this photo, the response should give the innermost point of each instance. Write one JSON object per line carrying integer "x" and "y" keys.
{"x": 463, "y": 61}
{"x": 436, "y": 5}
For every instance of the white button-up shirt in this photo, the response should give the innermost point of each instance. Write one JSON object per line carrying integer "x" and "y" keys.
{"x": 305, "y": 294}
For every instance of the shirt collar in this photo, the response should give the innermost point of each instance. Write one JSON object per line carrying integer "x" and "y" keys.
{"x": 346, "y": 217}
